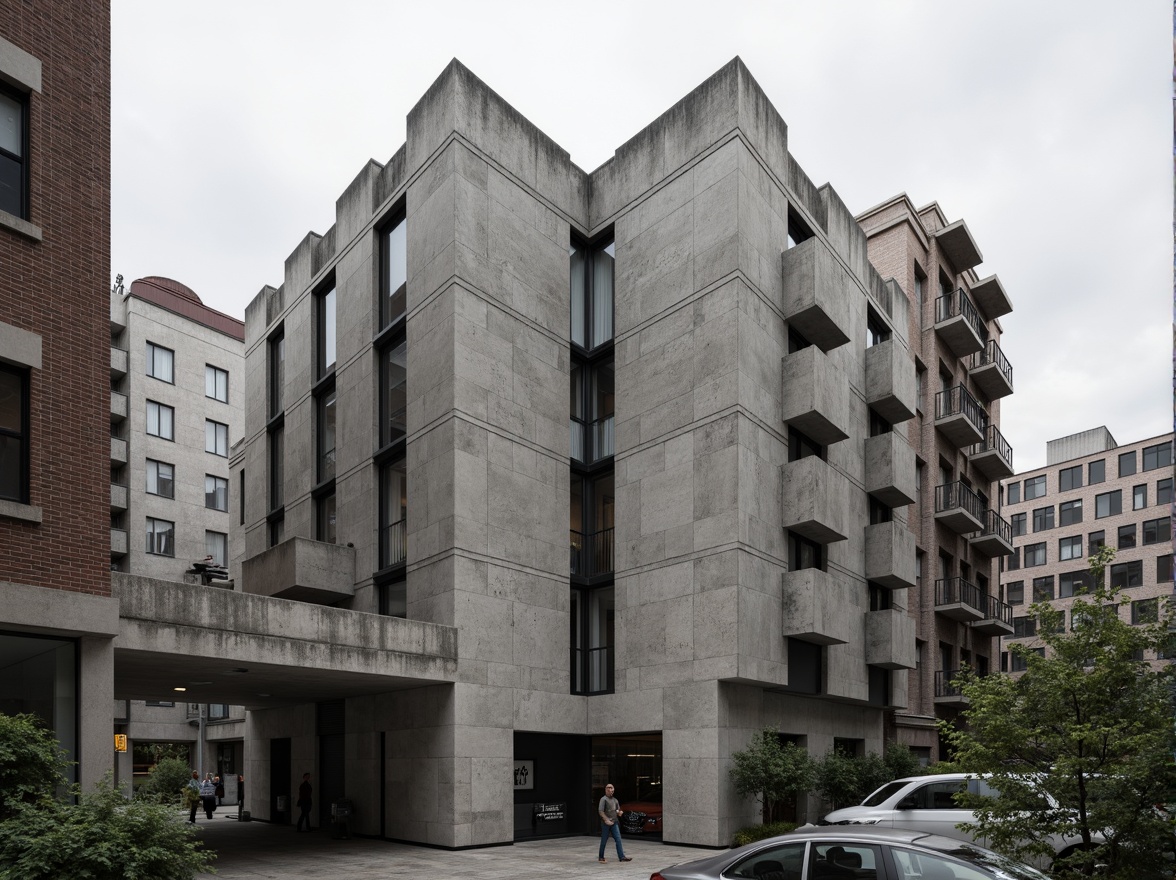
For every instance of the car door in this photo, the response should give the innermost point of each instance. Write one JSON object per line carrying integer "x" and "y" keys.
{"x": 834, "y": 860}
{"x": 932, "y": 808}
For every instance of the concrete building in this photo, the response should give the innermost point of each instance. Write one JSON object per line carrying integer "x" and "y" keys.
{"x": 57, "y": 617}
{"x": 712, "y": 537}
{"x": 1091, "y": 493}
{"x": 959, "y": 530}
{"x": 176, "y": 386}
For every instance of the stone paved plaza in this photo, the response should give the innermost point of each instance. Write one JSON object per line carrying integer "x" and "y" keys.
{"x": 254, "y": 850}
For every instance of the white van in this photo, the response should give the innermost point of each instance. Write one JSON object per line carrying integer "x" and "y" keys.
{"x": 927, "y": 803}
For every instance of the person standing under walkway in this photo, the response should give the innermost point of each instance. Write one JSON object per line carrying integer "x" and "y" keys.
{"x": 192, "y": 795}
{"x": 304, "y": 802}
{"x": 208, "y": 794}
{"x": 610, "y": 816}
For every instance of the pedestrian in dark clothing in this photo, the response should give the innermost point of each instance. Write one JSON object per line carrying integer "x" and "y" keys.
{"x": 208, "y": 794}
{"x": 304, "y": 802}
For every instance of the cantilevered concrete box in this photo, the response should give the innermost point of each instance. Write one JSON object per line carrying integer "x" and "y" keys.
{"x": 815, "y": 396}
{"x": 890, "y": 555}
{"x": 891, "y": 387}
{"x": 890, "y": 639}
{"x": 818, "y": 607}
{"x": 302, "y": 569}
{"x": 814, "y": 499}
{"x": 890, "y": 469}
{"x": 989, "y": 294}
{"x": 816, "y": 294}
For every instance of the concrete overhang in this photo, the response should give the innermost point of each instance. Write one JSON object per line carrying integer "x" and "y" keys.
{"x": 957, "y": 244}
{"x": 990, "y": 297}
{"x": 260, "y": 652}
{"x": 302, "y": 569}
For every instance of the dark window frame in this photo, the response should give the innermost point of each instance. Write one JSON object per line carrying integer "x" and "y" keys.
{"x": 1096, "y": 472}
{"x": 22, "y": 435}
{"x": 21, "y": 98}
{"x": 172, "y": 478}
{"x": 1157, "y": 456}
{"x": 154, "y": 533}
{"x": 216, "y": 438}
{"x": 223, "y": 480}
{"x": 605, "y": 243}
{"x": 152, "y": 349}
{"x": 1036, "y": 487}
{"x": 1070, "y": 512}
{"x": 1070, "y": 478}
{"x": 216, "y": 372}
{"x": 393, "y": 306}
{"x": 171, "y": 438}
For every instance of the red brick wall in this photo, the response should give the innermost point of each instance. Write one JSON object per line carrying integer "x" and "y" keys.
{"x": 59, "y": 288}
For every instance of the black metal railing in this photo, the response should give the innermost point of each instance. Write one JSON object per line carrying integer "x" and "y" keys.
{"x": 994, "y": 440}
{"x": 957, "y": 591}
{"x": 960, "y": 401}
{"x": 592, "y": 670}
{"x": 998, "y": 610}
{"x": 591, "y": 553}
{"x": 958, "y": 494}
{"x": 995, "y": 524}
{"x": 591, "y": 441}
{"x": 945, "y": 683}
{"x": 991, "y": 354}
{"x": 393, "y": 545}
{"x": 959, "y": 304}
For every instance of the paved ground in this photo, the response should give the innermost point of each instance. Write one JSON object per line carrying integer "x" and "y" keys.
{"x": 255, "y": 850}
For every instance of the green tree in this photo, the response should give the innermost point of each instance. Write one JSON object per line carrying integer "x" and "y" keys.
{"x": 31, "y": 763}
{"x": 771, "y": 772}
{"x": 844, "y": 779}
{"x": 101, "y": 836}
{"x": 166, "y": 781}
{"x": 1079, "y": 745}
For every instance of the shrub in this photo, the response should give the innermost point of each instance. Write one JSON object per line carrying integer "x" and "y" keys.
{"x": 31, "y": 763}
{"x": 771, "y": 771}
{"x": 166, "y": 782}
{"x": 761, "y": 832}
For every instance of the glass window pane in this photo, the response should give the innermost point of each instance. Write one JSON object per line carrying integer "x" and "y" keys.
{"x": 578, "y": 274}
{"x": 602, "y": 295}
{"x": 11, "y": 126}
{"x": 393, "y": 378}
{"x": 326, "y": 436}
{"x": 11, "y": 454}
{"x": 395, "y": 273}
{"x": 326, "y": 328}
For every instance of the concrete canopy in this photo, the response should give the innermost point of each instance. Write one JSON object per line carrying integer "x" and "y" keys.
{"x": 259, "y": 652}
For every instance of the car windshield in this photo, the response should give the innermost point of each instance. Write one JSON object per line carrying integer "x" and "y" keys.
{"x": 1001, "y": 865}
{"x": 884, "y": 793}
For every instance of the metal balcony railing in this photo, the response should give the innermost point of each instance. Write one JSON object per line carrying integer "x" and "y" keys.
{"x": 945, "y": 685}
{"x": 591, "y": 441}
{"x": 960, "y": 401}
{"x": 995, "y": 524}
{"x": 952, "y": 495}
{"x": 591, "y": 553}
{"x": 998, "y": 610}
{"x": 958, "y": 303}
{"x": 993, "y": 440}
{"x": 393, "y": 545}
{"x": 957, "y": 591}
{"x": 991, "y": 354}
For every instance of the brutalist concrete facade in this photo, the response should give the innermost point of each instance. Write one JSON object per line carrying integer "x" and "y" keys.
{"x": 1092, "y": 492}
{"x": 762, "y": 480}
{"x": 959, "y": 530}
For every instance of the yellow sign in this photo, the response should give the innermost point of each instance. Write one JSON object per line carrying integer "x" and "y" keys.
{"x": 120, "y": 742}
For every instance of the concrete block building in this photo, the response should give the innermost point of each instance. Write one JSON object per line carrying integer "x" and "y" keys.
{"x": 175, "y": 411}
{"x": 644, "y": 447}
{"x": 1091, "y": 493}
{"x": 960, "y": 532}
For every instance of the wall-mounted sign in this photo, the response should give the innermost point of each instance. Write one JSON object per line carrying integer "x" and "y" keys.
{"x": 549, "y": 812}
{"x": 120, "y": 742}
{"x": 524, "y": 774}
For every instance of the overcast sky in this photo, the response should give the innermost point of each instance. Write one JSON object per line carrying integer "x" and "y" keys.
{"x": 1046, "y": 125}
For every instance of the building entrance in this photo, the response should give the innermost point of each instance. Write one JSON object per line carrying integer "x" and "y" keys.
{"x": 633, "y": 764}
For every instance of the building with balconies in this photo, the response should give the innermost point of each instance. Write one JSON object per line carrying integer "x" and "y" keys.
{"x": 1091, "y": 493}
{"x": 958, "y": 529}
{"x": 634, "y": 439}
{"x": 175, "y": 390}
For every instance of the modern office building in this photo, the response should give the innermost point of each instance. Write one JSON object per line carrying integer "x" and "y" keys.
{"x": 959, "y": 529}
{"x": 634, "y": 440}
{"x": 57, "y": 617}
{"x": 175, "y": 408}
{"x": 1091, "y": 493}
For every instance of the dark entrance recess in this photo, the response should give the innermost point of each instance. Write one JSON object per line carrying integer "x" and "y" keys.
{"x": 280, "y": 780}
{"x": 556, "y": 804}
{"x": 632, "y": 763}
{"x": 331, "y": 783}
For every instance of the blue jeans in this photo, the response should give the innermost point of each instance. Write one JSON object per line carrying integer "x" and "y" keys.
{"x": 613, "y": 830}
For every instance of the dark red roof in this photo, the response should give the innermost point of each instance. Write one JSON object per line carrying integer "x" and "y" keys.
{"x": 178, "y": 298}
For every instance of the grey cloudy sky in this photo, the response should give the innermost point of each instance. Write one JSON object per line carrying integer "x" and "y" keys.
{"x": 1046, "y": 125}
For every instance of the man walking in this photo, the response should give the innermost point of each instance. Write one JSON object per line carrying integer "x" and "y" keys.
{"x": 610, "y": 815}
{"x": 304, "y": 792}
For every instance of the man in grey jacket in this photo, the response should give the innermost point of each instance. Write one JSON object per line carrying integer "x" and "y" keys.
{"x": 610, "y": 814}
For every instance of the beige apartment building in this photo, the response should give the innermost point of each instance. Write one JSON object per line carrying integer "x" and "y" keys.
{"x": 1091, "y": 493}
{"x": 960, "y": 531}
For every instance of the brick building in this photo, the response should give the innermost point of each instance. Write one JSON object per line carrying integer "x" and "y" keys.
{"x": 57, "y": 617}
{"x": 960, "y": 532}
{"x": 1091, "y": 493}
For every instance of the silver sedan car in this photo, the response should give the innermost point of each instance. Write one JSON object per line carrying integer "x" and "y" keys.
{"x": 814, "y": 853}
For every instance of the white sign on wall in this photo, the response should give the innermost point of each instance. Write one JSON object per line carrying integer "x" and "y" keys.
{"x": 524, "y": 774}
